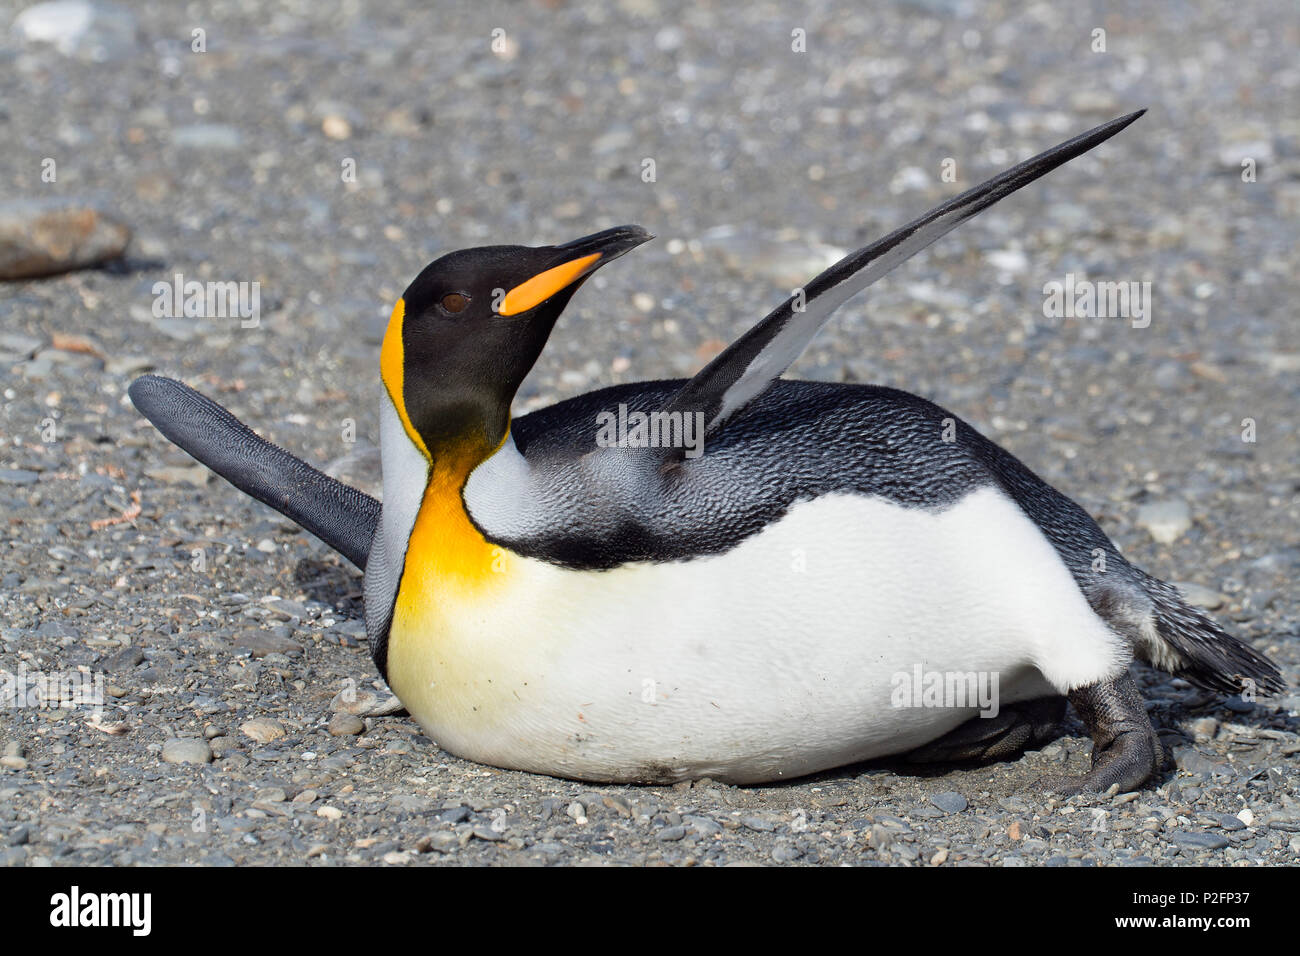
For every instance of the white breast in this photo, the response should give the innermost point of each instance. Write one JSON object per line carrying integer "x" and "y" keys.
{"x": 406, "y": 472}
{"x": 778, "y": 658}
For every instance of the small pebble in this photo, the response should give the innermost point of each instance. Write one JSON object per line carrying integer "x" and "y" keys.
{"x": 336, "y": 127}
{"x": 186, "y": 750}
{"x": 260, "y": 643}
{"x": 346, "y": 725}
{"x": 1197, "y": 839}
{"x": 949, "y": 802}
{"x": 262, "y": 729}
{"x": 442, "y": 842}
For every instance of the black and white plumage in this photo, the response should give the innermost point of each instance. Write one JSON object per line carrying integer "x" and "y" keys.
{"x": 543, "y": 601}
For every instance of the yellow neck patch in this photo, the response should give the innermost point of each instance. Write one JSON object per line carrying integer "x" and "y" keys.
{"x": 446, "y": 557}
{"x": 392, "y": 370}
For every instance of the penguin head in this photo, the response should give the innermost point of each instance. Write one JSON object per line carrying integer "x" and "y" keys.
{"x": 469, "y": 328}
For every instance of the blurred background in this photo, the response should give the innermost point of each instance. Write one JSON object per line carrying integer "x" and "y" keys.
{"x": 326, "y": 151}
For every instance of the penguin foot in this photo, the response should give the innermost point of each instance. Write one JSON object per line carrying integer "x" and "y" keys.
{"x": 1016, "y": 727}
{"x": 1126, "y": 752}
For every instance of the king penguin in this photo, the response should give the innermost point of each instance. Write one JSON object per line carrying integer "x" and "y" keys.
{"x": 740, "y": 585}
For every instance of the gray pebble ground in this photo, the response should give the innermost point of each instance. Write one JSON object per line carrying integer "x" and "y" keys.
{"x": 244, "y": 724}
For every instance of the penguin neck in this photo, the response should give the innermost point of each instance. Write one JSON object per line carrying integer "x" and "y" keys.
{"x": 445, "y": 549}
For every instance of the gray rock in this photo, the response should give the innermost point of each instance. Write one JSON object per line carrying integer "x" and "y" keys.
{"x": 1193, "y": 761}
{"x": 365, "y": 703}
{"x": 442, "y": 842}
{"x": 786, "y": 853}
{"x": 704, "y": 826}
{"x": 346, "y": 725}
{"x": 1199, "y": 839}
{"x": 186, "y": 750}
{"x": 124, "y": 660}
{"x": 1283, "y": 820}
{"x": 949, "y": 802}
{"x": 260, "y": 643}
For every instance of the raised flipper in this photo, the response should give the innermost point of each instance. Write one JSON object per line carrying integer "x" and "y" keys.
{"x": 338, "y": 514}
{"x": 1017, "y": 726}
{"x": 749, "y": 365}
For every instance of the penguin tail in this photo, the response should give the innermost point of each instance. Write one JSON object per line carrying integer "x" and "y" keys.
{"x": 1173, "y": 635}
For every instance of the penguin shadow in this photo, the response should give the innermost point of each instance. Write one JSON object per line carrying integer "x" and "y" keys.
{"x": 1013, "y": 747}
{"x": 1023, "y": 772}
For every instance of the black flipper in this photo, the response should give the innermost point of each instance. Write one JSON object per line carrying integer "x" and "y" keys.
{"x": 750, "y": 364}
{"x": 338, "y": 514}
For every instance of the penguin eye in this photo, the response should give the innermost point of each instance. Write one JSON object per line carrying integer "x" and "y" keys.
{"x": 455, "y": 302}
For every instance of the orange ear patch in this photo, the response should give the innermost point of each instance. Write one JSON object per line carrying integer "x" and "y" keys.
{"x": 542, "y": 286}
{"x": 392, "y": 369}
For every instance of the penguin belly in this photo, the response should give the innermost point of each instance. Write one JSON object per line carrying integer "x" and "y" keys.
{"x": 793, "y": 652}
